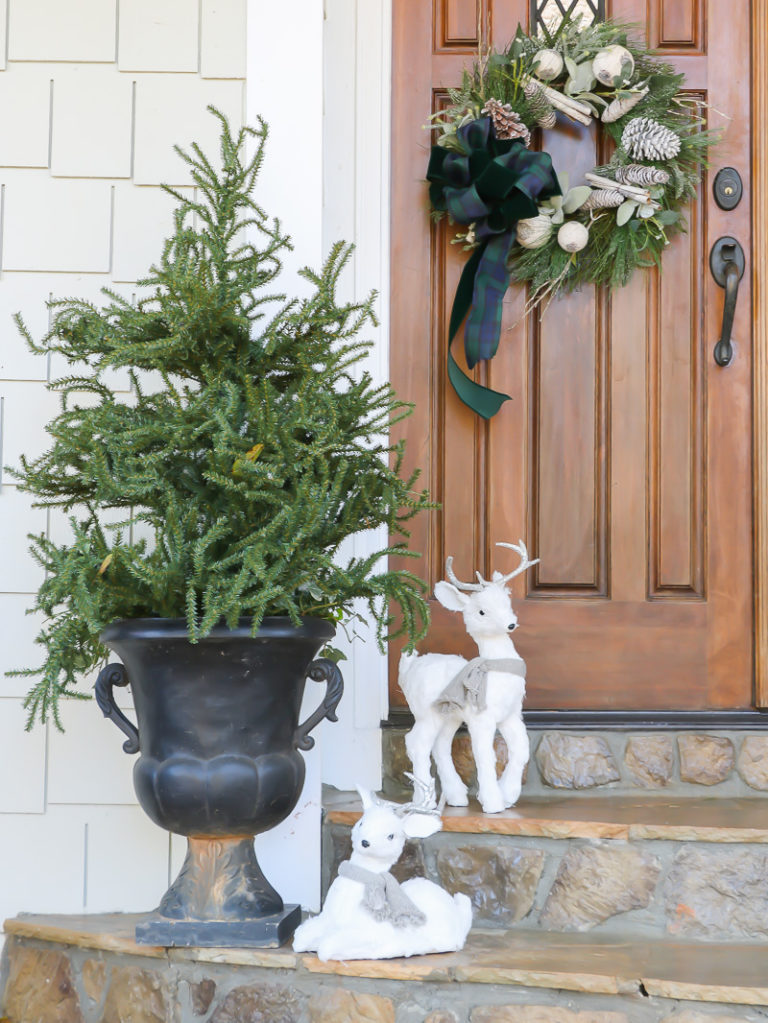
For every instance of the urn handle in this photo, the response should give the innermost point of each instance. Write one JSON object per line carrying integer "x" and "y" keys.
{"x": 116, "y": 675}
{"x": 321, "y": 670}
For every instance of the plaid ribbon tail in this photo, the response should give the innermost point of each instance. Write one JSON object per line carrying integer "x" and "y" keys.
{"x": 491, "y": 184}
{"x": 483, "y": 327}
{"x": 483, "y": 400}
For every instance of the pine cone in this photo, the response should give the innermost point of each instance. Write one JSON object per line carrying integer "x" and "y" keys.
{"x": 603, "y": 198}
{"x": 542, "y": 110}
{"x": 646, "y": 139}
{"x": 506, "y": 123}
{"x": 638, "y": 174}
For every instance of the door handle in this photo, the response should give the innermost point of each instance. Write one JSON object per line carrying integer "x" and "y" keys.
{"x": 726, "y": 261}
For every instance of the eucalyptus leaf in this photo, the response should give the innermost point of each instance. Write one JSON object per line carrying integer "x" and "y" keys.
{"x": 559, "y": 217}
{"x": 592, "y": 97}
{"x": 645, "y": 211}
{"x": 582, "y": 80}
{"x": 625, "y": 211}
{"x": 572, "y": 66}
{"x": 576, "y": 198}
{"x": 668, "y": 217}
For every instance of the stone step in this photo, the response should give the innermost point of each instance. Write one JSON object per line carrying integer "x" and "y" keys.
{"x": 84, "y": 969}
{"x": 620, "y": 867}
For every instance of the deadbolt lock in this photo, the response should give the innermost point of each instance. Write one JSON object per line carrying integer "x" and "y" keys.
{"x": 728, "y": 188}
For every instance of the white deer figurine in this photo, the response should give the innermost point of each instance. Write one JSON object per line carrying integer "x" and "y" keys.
{"x": 367, "y": 914}
{"x": 487, "y": 692}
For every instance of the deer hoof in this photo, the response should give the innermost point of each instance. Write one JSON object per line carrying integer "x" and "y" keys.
{"x": 458, "y": 797}
{"x": 495, "y": 805}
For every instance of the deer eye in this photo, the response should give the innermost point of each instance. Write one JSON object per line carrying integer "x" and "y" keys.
{"x": 390, "y": 837}
{"x": 481, "y": 612}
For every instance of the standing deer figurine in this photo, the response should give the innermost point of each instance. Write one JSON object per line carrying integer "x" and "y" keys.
{"x": 367, "y": 914}
{"x": 487, "y": 692}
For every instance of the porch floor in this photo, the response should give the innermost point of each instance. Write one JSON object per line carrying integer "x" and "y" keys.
{"x": 723, "y": 973}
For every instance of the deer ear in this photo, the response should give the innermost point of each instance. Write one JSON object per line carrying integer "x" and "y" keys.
{"x": 450, "y": 597}
{"x": 368, "y": 798}
{"x": 421, "y": 825}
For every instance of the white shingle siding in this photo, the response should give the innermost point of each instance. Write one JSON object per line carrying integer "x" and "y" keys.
{"x": 143, "y": 219}
{"x": 50, "y": 30}
{"x": 22, "y": 775}
{"x": 172, "y": 109}
{"x": 89, "y": 111}
{"x": 25, "y": 106}
{"x": 159, "y": 35}
{"x": 17, "y": 640}
{"x": 222, "y": 42}
{"x": 59, "y": 225}
{"x": 92, "y": 98}
{"x": 86, "y": 95}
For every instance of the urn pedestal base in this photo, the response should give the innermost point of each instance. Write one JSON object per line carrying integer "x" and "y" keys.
{"x": 220, "y": 898}
{"x": 266, "y": 932}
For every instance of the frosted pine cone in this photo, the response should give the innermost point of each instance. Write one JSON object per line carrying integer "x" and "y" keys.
{"x": 506, "y": 123}
{"x": 637, "y": 174}
{"x": 646, "y": 139}
{"x": 603, "y": 198}
{"x": 541, "y": 108}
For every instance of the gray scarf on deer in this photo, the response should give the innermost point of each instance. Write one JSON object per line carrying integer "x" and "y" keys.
{"x": 468, "y": 688}
{"x": 383, "y": 897}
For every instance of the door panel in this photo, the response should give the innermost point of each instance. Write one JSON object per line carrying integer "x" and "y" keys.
{"x": 624, "y": 457}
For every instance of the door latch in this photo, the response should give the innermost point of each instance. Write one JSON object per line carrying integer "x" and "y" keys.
{"x": 726, "y": 261}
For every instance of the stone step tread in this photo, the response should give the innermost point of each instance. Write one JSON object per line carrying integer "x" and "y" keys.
{"x": 721, "y": 973}
{"x": 629, "y": 817}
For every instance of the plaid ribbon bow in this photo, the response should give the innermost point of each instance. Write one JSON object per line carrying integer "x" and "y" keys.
{"x": 492, "y": 183}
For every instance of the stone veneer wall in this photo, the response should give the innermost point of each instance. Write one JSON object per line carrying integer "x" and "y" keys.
{"x": 55, "y": 984}
{"x": 680, "y": 763}
{"x": 692, "y": 890}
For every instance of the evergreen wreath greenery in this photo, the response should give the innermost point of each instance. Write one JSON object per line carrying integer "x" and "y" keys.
{"x": 261, "y": 451}
{"x": 626, "y": 218}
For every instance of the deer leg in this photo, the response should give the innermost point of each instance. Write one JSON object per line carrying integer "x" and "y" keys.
{"x": 515, "y": 736}
{"x": 454, "y": 789}
{"x": 418, "y": 745}
{"x": 482, "y": 731}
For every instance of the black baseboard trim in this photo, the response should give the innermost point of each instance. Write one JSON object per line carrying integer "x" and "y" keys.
{"x": 625, "y": 720}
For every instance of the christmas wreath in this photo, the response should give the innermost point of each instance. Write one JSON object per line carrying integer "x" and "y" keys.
{"x": 521, "y": 219}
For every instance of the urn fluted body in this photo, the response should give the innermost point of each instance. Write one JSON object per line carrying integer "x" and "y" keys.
{"x": 219, "y": 755}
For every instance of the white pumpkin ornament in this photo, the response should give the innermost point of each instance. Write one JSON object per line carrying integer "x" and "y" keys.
{"x": 613, "y": 65}
{"x": 534, "y": 232}
{"x": 547, "y": 65}
{"x": 572, "y": 236}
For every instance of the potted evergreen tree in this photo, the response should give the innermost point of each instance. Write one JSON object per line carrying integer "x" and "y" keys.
{"x": 249, "y": 450}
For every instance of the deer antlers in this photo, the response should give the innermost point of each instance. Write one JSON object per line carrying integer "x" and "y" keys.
{"x": 518, "y": 548}
{"x": 525, "y": 562}
{"x": 459, "y": 585}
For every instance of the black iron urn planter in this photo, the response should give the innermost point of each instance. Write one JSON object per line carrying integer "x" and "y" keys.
{"x": 219, "y": 739}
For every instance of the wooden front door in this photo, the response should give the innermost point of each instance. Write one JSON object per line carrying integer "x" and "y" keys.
{"x": 624, "y": 458}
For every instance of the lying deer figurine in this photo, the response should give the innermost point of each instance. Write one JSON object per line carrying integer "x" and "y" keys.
{"x": 367, "y": 914}
{"x": 487, "y": 693}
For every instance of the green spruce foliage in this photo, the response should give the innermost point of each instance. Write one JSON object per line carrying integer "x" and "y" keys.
{"x": 259, "y": 450}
